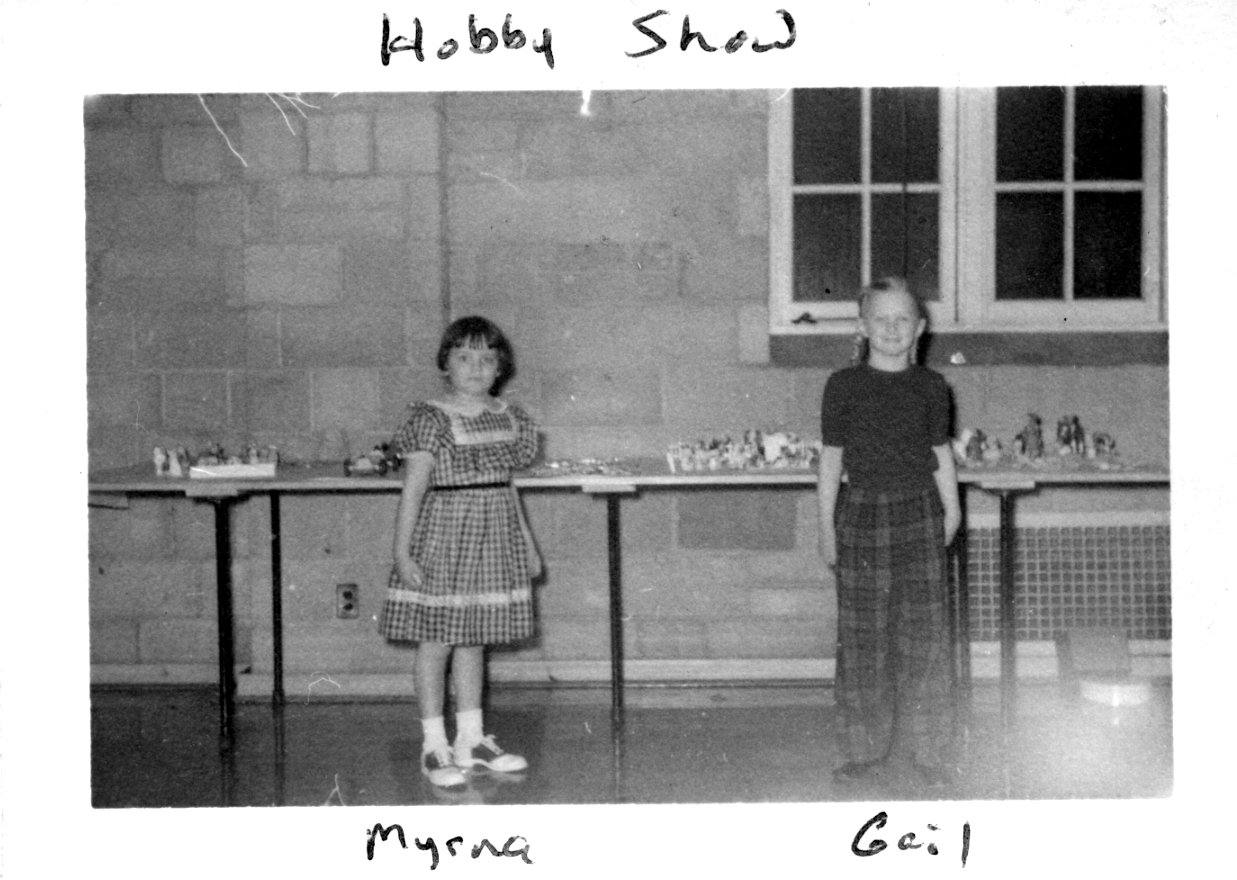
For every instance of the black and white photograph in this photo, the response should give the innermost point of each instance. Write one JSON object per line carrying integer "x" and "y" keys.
{"x": 630, "y": 440}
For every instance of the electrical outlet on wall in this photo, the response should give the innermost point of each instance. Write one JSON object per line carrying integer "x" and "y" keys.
{"x": 347, "y": 601}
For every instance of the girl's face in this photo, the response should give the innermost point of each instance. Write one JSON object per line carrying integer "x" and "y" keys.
{"x": 472, "y": 369}
{"x": 891, "y": 324}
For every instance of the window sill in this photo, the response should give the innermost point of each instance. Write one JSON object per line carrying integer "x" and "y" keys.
{"x": 989, "y": 348}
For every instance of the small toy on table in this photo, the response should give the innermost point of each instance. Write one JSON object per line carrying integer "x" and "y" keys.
{"x": 376, "y": 461}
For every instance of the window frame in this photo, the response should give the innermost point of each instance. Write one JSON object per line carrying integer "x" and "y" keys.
{"x": 967, "y": 215}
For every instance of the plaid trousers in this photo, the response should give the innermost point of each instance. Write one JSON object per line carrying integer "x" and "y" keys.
{"x": 893, "y": 683}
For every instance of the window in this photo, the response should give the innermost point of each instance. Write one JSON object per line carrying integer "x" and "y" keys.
{"x": 1028, "y": 208}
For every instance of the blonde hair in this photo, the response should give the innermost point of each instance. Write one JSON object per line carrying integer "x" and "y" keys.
{"x": 888, "y": 284}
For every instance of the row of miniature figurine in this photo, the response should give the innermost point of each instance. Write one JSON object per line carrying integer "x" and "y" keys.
{"x": 176, "y": 462}
{"x": 757, "y": 449}
{"x": 973, "y": 446}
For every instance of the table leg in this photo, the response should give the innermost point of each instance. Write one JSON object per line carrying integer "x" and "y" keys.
{"x": 223, "y": 593}
{"x": 277, "y": 694}
{"x": 962, "y": 618}
{"x": 615, "y": 541}
{"x": 1008, "y": 641}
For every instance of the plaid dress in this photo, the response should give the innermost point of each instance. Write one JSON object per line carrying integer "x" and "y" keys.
{"x": 476, "y": 588}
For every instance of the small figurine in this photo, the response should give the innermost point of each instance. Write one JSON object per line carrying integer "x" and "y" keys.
{"x": 975, "y": 446}
{"x": 1104, "y": 444}
{"x": 1030, "y": 440}
{"x": 993, "y": 450}
{"x": 251, "y": 455}
{"x": 161, "y": 461}
{"x": 178, "y": 463}
{"x": 1078, "y": 437}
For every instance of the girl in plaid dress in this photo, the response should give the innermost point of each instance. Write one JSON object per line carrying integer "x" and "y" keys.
{"x": 885, "y": 423}
{"x": 464, "y": 559}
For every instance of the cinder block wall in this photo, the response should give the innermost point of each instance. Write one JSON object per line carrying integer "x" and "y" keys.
{"x": 295, "y": 298}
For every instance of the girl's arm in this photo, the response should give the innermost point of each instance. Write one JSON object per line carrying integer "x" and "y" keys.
{"x": 947, "y": 484}
{"x": 417, "y": 469}
{"x": 828, "y": 480}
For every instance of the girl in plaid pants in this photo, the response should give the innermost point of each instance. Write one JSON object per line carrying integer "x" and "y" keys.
{"x": 464, "y": 560}
{"x": 885, "y": 424}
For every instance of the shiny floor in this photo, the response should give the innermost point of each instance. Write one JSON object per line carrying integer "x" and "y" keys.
{"x": 158, "y": 747}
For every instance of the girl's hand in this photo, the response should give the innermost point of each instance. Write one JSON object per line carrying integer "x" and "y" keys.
{"x": 953, "y": 521}
{"x": 828, "y": 548}
{"x": 409, "y": 571}
{"x": 535, "y": 566}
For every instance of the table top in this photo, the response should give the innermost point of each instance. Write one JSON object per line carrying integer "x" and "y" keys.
{"x": 624, "y": 476}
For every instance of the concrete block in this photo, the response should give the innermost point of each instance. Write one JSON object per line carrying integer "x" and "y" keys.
{"x": 668, "y": 639}
{"x": 192, "y": 155}
{"x": 121, "y": 156}
{"x": 720, "y": 268}
{"x": 398, "y": 389}
{"x": 121, "y": 400}
{"x": 808, "y": 390}
{"x": 406, "y": 143}
{"x": 151, "y": 590}
{"x": 687, "y": 332}
{"x": 219, "y": 215}
{"x": 276, "y": 402}
{"x": 313, "y": 535}
{"x": 650, "y": 106}
{"x": 572, "y": 589}
{"x": 754, "y": 334}
{"x": 269, "y": 147}
{"x": 160, "y": 110}
{"x": 370, "y": 521}
{"x": 309, "y": 588}
{"x": 345, "y": 399}
{"x": 424, "y": 220}
{"x": 767, "y": 637}
{"x": 724, "y": 400}
{"x": 648, "y": 523}
{"x": 686, "y": 585}
{"x": 569, "y": 210}
{"x": 340, "y": 143}
{"x": 318, "y": 194}
{"x": 726, "y": 519}
{"x": 192, "y": 527}
{"x": 262, "y": 341}
{"x": 353, "y": 336}
{"x": 332, "y": 650}
{"x": 804, "y": 602}
{"x": 752, "y": 207}
{"x": 181, "y": 641}
{"x": 109, "y": 341}
{"x": 293, "y": 274}
{"x": 143, "y": 532}
{"x": 599, "y": 396}
{"x": 113, "y": 641}
{"x": 581, "y": 638}
{"x": 574, "y": 146}
{"x": 195, "y": 402}
{"x": 192, "y": 339}
{"x": 347, "y": 224}
{"x": 376, "y": 271}
{"x": 145, "y": 216}
{"x": 99, "y": 111}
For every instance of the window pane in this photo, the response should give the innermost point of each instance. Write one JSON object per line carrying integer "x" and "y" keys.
{"x": 1030, "y": 251}
{"x": 1107, "y": 242}
{"x": 826, "y": 248}
{"x": 905, "y": 239}
{"x": 1030, "y": 142}
{"x": 827, "y": 131}
{"x": 905, "y": 135}
{"x": 1108, "y": 130}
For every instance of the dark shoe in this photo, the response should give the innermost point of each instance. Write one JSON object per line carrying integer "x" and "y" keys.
{"x": 855, "y": 770}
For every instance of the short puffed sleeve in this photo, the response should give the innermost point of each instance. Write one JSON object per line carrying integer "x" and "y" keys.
{"x": 425, "y": 431}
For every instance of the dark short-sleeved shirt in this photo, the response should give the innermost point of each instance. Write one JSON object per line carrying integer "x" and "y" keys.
{"x": 886, "y": 424}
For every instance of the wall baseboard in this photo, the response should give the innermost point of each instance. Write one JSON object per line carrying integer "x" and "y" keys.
{"x": 1035, "y": 660}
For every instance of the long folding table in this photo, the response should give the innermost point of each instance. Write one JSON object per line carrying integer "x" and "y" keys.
{"x": 625, "y": 479}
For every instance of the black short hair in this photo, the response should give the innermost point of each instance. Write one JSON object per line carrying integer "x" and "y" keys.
{"x": 474, "y": 328}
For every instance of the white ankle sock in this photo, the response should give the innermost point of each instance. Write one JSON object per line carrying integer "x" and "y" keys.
{"x": 434, "y": 734}
{"x": 468, "y": 729}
